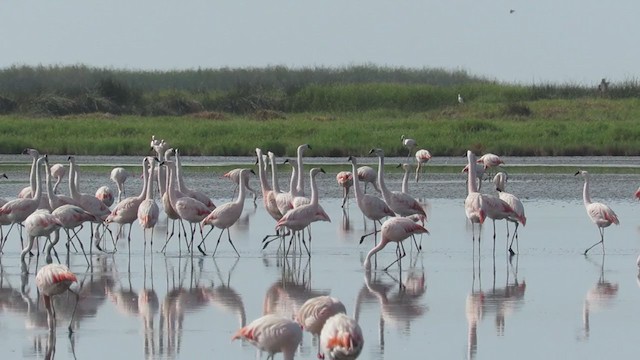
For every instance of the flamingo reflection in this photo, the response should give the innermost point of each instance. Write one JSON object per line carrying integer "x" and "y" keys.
{"x": 598, "y": 298}
{"x": 226, "y": 298}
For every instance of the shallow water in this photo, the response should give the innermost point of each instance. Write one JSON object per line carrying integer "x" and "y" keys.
{"x": 548, "y": 301}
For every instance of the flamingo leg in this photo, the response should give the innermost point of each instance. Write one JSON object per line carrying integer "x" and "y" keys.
{"x": 75, "y": 307}
{"x": 599, "y": 242}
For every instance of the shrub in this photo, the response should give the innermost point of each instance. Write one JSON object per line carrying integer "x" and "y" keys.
{"x": 517, "y": 109}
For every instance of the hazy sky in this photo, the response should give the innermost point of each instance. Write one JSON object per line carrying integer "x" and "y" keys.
{"x": 576, "y": 41}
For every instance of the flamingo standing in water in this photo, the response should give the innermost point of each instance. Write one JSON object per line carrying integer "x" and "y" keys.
{"x": 422, "y": 157}
{"x": 105, "y": 195}
{"x": 367, "y": 175}
{"x": 273, "y": 334}
{"x": 29, "y": 191}
{"x": 71, "y": 217}
{"x": 409, "y": 144}
{"x": 479, "y": 171}
{"x": 39, "y": 223}
{"x": 500, "y": 181}
{"x": 57, "y": 171}
{"x": 313, "y": 314}
{"x": 119, "y": 175}
{"x": 341, "y": 337}
{"x": 601, "y": 214}
{"x": 225, "y": 215}
{"x": 395, "y": 229}
{"x": 52, "y": 280}
{"x": 345, "y": 181}
{"x": 148, "y": 210}
{"x": 55, "y": 201}
{"x": 234, "y": 176}
{"x": 268, "y": 195}
{"x": 371, "y": 206}
{"x": 200, "y": 196}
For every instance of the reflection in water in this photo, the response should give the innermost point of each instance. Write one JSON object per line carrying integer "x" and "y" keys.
{"x": 502, "y": 301}
{"x": 226, "y": 298}
{"x": 598, "y": 298}
{"x": 398, "y": 307}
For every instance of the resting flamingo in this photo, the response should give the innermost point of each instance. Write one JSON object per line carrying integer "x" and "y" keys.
{"x": 395, "y": 229}
{"x": 148, "y": 210}
{"x": 119, "y": 175}
{"x": 422, "y": 157}
{"x": 57, "y": 171}
{"x": 601, "y": 214}
{"x": 313, "y": 314}
{"x": 345, "y": 181}
{"x": 409, "y": 144}
{"x": 341, "y": 338}
{"x": 52, "y": 280}
{"x": 371, "y": 206}
{"x": 225, "y": 215}
{"x": 500, "y": 181}
{"x": 273, "y": 334}
{"x": 401, "y": 203}
{"x": 367, "y": 175}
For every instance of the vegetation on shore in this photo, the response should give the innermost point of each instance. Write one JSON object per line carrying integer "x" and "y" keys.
{"x": 80, "y": 110}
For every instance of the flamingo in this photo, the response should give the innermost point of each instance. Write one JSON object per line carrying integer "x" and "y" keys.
{"x": 401, "y": 203}
{"x": 148, "y": 210}
{"x": 371, "y": 206}
{"x": 234, "y": 176}
{"x": 16, "y": 211}
{"x": 341, "y": 337}
{"x": 601, "y": 214}
{"x": 479, "y": 171}
{"x": 71, "y": 217}
{"x": 422, "y": 157}
{"x": 489, "y": 160}
{"x": 28, "y": 191}
{"x": 273, "y": 334}
{"x": 105, "y": 195}
{"x": 300, "y": 186}
{"x": 52, "y": 280}
{"x": 268, "y": 195}
{"x": 367, "y": 175}
{"x": 119, "y": 175}
{"x": 39, "y": 223}
{"x": 126, "y": 211}
{"x": 55, "y": 201}
{"x": 395, "y": 229}
{"x": 302, "y": 216}
{"x": 227, "y": 214}
{"x": 57, "y": 171}
{"x": 500, "y": 180}
{"x": 405, "y": 178}
{"x": 409, "y": 144}
{"x": 284, "y": 200}
{"x": 163, "y": 181}
{"x": 345, "y": 181}
{"x": 313, "y": 314}
{"x": 201, "y": 197}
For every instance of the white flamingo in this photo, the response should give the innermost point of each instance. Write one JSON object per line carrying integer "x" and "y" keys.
{"x": 345, "y": 181}
{"x": 104, "y": 194}
{"x": 479, "y": 174}
{"x": 422, "y": 157}
{"x": 225, "y": 215}
{"x": 395, "y": 229}
{"x": 57, "y": 171}
{"x": 601, "y": 214}
{"x": 401, "y": 203}
{"x": 39, "y": 223}
{"x": 500, "y": 181}
{"x": 52, "y": 280}
{"x": 313, "y": 314}
{"x": 341, "y": 338}
{"x": 284, "y": 200}
{"x": 27, "y": 192}
{"x": 371, "y": 206}
{"x": 268, "y": 195}
{"x": 234, "y": 176}
{"x": 119, "y": 175}
{"x": 148, "y": 210}
{"x": 72, "y": 217}
{"x": 368, "y": 175}
{"x": 409, "y": 143}
{"x": 201, "y": 197}
{"x": 273, "y": 334}
{"x": 55, "y": 201}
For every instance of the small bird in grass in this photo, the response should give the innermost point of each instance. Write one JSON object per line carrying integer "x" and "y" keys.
{"x": 460, "y": 99}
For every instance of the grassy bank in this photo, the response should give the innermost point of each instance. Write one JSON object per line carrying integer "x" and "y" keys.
{"x": 585, "y": 126}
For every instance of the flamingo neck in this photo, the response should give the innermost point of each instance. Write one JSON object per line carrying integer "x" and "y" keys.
{"x": 262, "y": 173}
{"x": 171, "y": 191}
{"x": 73, "y": 190}
{"x": 274, "y": 175}
{"x": 386, "y": 195}
{"x": 145, "y": 180}
{"x": 294, "y": 180}
{"x": 356, "y": 181}
{"x": 405, "y": 181}
{"x": 314, "y": 188}
{"x": 300, "y": 187}
{"x": 179, "y": 179}
{"x": 373, "y": 251}
{"x": 24, "y": 253}
{"x": 47, "y": 178}
{"x": 51, "y": 244}
{"x": 32, "y": 176}
{"x": 38, "y": 192}
{"x": 149, "y": 192}
{"x": 242, "y": 187}
{"x": 586, "y": 197}
{"x": 471, "y": 173}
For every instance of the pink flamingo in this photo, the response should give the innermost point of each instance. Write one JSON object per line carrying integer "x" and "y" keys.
{"x": 601, "y": 214}
{"x": 401, "y": 203}
{"x": 126, "y": 211}
{"x": 28, "y": 191}
{"x": 273, "y": 334}
{"x": 148, "y": 210}
{"x": 300, "y": 186}
{"x": 55, "y": 201}
{"x": 105, "y": 195}
{"x": 39, "y": 223}
{"x": 57, "y": 171}
{"x": 500, "y": 181}
{"x": 234, "y": 176}
{"x": 479, "y": 171}
{"x": 490, "y": 160}
{"x": 185, "y": 190}
{"x": 395, "y": 229}
{"x": 422, "y": 157}
{"x": 367, "y": 175}
{"x": 341, "y": 337}
{"x": 225, "y": 215}
{"x": 18, "y": 210}
{"x": 372, "y": 207}
{"x": 313, "y": 314}
{"x": 345, "y": 181}
{"x": 268, "y": 195}
{"x": 119, "y": 175}
{"x": 409, "y": 144}
{"x": 71, "y": 217}
{"x": 52, "y": 280}
{"x": 284, "y": 200}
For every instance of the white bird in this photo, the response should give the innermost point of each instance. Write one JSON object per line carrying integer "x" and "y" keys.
{"x": 490, "y": 160}
{"x": 341, "y": 338}
{"x": 284, "y": 199}
{"x": 225, "y": 215}
{"x": 299, "y": 196}
{"x": 401, "y": 203}
{"x": 422, "y": 157}
{"x": 52, "y": 280}
{"x": 57, "y": 171}
{"x": 105, "y": 195}
{"x": 479, "y": 174}
{"x": 371, "y": 206}
{"x": 273, "y": 334}
{"x": 345, "y": 181}
{"x": 71, "y": 217}
{"x": 500, "y": 181}
{"x": 313, "y": 314}
{"x": 55, "y": 200}
{"x": 601, "y": 214}
{"x": 409, "y": 144}
{"x": 367, "y": 175}
{"x": 460, "y": 99}
{"x": 39, "y": 223}
{"x": 234, "y": 176}
{"x": 148, "y": 210}
{"x": 395, "y": 229}
{"x": 201, "y": 197}
{"x": 268, "y": 195}
{"x": 119, "y": 175}
{"x": 27, "y": 192}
